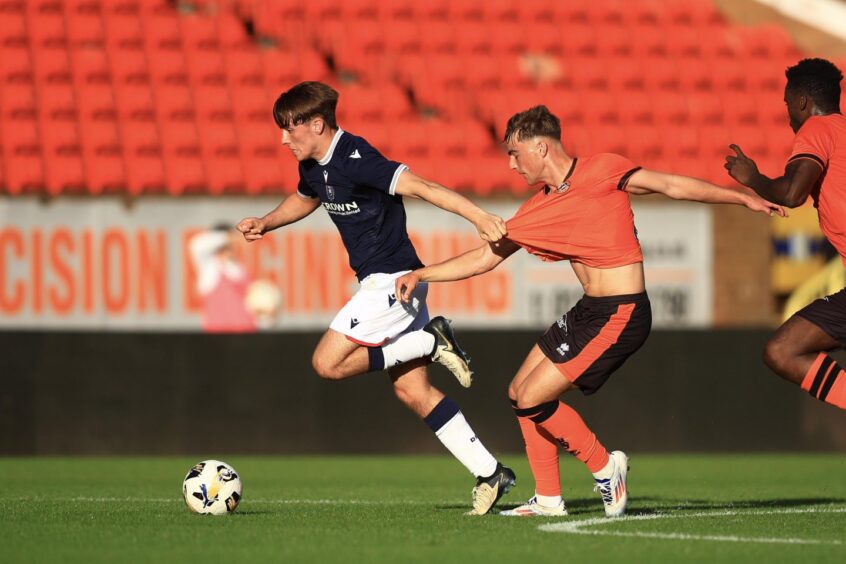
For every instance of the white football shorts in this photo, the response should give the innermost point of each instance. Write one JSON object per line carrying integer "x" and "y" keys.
{"x": 374, "y": 315}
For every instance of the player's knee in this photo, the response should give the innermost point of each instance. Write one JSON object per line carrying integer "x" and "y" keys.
{"x": 325, "y": 369}
{"x": 512, "y": 391}
{"x": 776, "y": 356}
{"x": 527, "y": 396}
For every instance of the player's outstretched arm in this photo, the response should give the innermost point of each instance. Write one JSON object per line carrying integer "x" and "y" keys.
{"x": 790, "y": 189}
{"x": 478, "y": 261}
{"x": 491, "y": 228}
{"x": 292, "y": 209}
{"x": 687, "y": 188}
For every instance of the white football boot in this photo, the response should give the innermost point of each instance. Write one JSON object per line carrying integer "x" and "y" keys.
{"x": 533, "y": 509}
{"x": 613, "y": 490}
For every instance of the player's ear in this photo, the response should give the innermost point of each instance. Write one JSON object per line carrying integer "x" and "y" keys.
{"x": 318, "y": 125}
{"x": 803, "y": 102}
{"x": 542, "y": 148}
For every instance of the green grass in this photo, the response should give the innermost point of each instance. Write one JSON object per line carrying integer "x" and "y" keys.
{"x": 410, "y": 509}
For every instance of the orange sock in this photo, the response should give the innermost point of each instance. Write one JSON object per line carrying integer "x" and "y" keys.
{"x": 825, "y": 381}
{"x": 542, "y": 452}
{"x": 563, "y": 423}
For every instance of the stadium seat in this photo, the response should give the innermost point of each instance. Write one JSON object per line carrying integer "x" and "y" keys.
{"x": 123, "y": 32}
{"x": 103, "y": 155}
{"x": 636, "y": 107}
{"x": 167, "y": 68}
{"x": 51, "y": 66}
{"x": 47, "y": 29}
{"x": 15, "y": 65}
{"x": 259, "y": 148}
{"x": 161, "y": 32}
{"x": 17, "y": 101}
{"x": 221, "y": 157}
{"x": 90, "y": 66}
{"x": 57, "y": 102}
{"x": 184, "y": 170}
{"x": 199, "y": 34}
{"x": 63, "y": 157}
{"x": 206, "y": 68}
{"x": 13, "y": 32}
{"x": 670, "y": 107}
{"x": 134, "y": 103}
{"x": 96, "y": 102}
{"x": 85, "y": 30}
{"x": 174, "y": 104}
{"x": 704, "y": 107}
{"x": 23, "y": 167}
{"x": 212, "y": 104}
{"x": 128, "y": 67}
{"x": 243, "y": 68}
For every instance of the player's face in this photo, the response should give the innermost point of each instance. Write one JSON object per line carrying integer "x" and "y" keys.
{"x": 301, "y": 140}
{"x": 524, "y": 157}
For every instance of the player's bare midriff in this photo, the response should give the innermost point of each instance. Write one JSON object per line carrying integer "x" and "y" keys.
{"x": 604, "y": 282}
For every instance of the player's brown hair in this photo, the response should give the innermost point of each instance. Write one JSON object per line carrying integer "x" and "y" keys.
{"x": 305, "y": 101}
{"x": 534, "y": 122}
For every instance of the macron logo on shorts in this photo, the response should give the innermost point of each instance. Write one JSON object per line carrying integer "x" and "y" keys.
{"x": 392, "y": 299}
{"x": 353, "y": 323}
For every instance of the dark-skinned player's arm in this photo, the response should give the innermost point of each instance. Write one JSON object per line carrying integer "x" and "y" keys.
{"x": 292, "y": 209}
{"x": 790, "y": 190}
{"x": 478, "y": 261}
{"x": 680, "y": 187}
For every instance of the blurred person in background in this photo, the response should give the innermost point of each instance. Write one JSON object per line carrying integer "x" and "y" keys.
{"x": 817, "y": 168}
{"x": 362, "y": 192}
{"x": 581, "y": 214}
{"x": 222, "y": 282}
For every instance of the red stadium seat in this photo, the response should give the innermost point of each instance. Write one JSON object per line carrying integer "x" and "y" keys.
{"x": 129, "y": 67}
{"x": 17, "y": 101}
{"x": 206, "y": 68}
{"x": 23, "y": 167}
{"x": 221, "y": 157}
{"x": 680, "y": 141}
{"x": 161, "y": 32}
{"x": 251, "y": 104}
{"x": 475, "y": 37}
{"x": 183, "y": 163}
{"x": 96, "y": 102}
{"x": 123, "y": 32}
{"x": 90, "y": 66}
{"x": 57, "y": 102}
{"x": 167, "y": 67}
{"x": 47, "y": 29}
{"x": 52, "y": 66}
{"x": 63, "y": 157}
{"x": 174, "y": 104}
{"x": 670, "y": 107}
{"x": 199, "y": 34}
{"x": 85, "y": 30}
{"x": 704, "y": 107}
{"x": 439, "y": 37}
{"x": 15, "y": 65}
{"x": 212, "y": 104}
{"x": 102, "y": 151}
{"x": 13, "y": 32}
{"x": 259, "y": 146}
{"x": 636, "y": 107}
{"x": 243, "y": 68}
{"x": 134, "y": 103}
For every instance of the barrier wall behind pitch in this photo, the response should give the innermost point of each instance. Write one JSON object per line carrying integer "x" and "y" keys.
{"x": 217, "y": 395}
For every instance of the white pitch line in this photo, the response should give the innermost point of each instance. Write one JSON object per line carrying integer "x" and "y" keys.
{"x": 579, "y": 527}
{"x": 246, "y": 500}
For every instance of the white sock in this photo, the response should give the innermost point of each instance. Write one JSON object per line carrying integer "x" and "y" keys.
{"x": 416, "y": 344}
{"x": 464, "y": 445}
{"x": 606, "y": 472}
{"x": 548, "y": 500}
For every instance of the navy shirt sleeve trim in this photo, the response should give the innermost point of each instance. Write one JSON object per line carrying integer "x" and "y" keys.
{"x": 393, "y": 188}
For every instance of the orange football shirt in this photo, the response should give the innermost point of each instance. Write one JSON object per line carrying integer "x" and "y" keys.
{"x": 588, "y": 219}
{"x": 822, "y": 139}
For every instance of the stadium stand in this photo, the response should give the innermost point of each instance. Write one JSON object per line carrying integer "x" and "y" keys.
{"x": 173, "y": 97}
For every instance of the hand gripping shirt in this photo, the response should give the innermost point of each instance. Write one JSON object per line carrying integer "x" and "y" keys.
{"x": 587, "y": 219}
{"x": 822, "y": 139}
{"x": 356, "y": 186}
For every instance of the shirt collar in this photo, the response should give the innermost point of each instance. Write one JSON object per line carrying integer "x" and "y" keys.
{"x": 328, "y": 157}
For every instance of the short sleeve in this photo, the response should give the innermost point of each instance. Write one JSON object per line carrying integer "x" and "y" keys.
{"x": 367, "y": 167}
{"x": 613, "y": 171}
{"x": 303, "y": 189}
{"x": 813, "y": 142}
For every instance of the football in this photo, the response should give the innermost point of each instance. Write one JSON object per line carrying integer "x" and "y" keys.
{"x": 212, "y": 487}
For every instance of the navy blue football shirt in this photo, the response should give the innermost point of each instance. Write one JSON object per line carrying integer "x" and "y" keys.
{"x": 356, "y": 185}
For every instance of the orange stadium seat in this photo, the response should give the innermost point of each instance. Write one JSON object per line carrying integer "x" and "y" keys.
{"x": 134, "y": 103}
{"x": 96, "y": 102}
{"x": 206, "y": 68}
{"x": 212, "y": 104}
{"x": 17, "y": 101}
{"x": 22, "y": 163}
{"x": 57, "y": 102}
{"x": 15, "y": 65}
{"x": 85, "y": 29}
{"x": 63, "y": 157}
{"x": 704, "y": 107}
{"x": 90, "y": 66}
{"x": 128, "y": 67}
{"x": 199, "y": 34}
{"x": 182, "y": 157}
{"x": 221, "y": 155}
{"x": 47, "y": 29}
{"x": 167, "y": 68}
{"x": 123, "y": 32}
{"x": 103, "y": 155}
{"x": 161, "y": 32}
{"x": 174, "y": 104}
{"x": 51, "y": 66}
{"x": 243, "y": 68}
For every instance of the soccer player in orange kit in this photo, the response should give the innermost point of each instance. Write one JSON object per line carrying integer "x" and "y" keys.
{"x": 582, "y": 214}
{"x": 817, "y": 168}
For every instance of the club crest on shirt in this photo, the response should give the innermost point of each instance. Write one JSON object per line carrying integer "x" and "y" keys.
{"x": 330, "y": 190}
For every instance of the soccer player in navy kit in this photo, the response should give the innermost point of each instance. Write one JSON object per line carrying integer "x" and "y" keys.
{"x": 362, "y": 192}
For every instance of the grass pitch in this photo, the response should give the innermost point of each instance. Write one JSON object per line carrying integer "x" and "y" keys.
{"x": 773, "y": 508}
